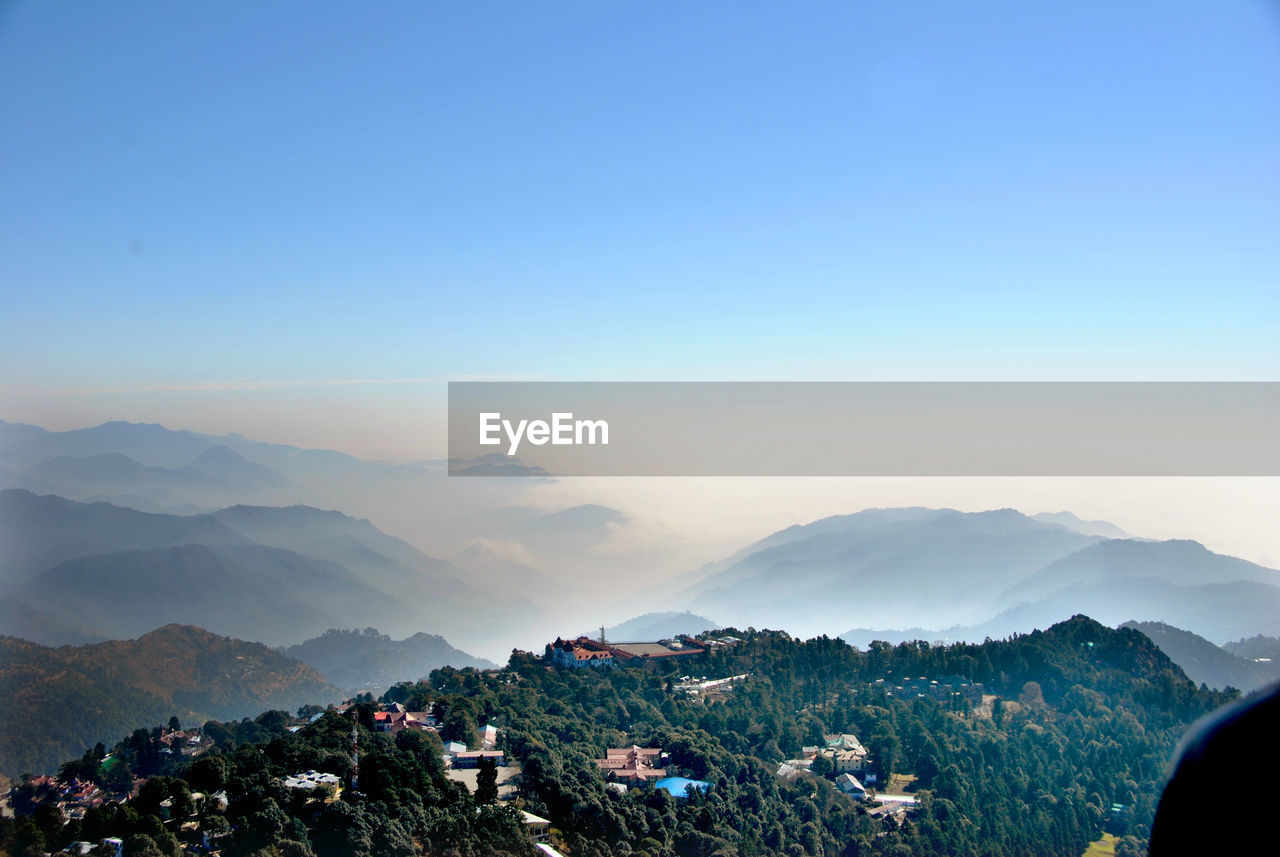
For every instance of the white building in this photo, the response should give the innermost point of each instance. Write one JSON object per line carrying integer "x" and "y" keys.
{"x": 849, "y": 784}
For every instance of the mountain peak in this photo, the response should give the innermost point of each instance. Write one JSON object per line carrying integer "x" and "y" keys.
{"x": 217, "y": 455}
{"x": 178, "y": 630}
{"x": 1088, "y": 528}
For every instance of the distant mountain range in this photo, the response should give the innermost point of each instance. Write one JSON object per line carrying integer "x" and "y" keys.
{"x": 292, "y": 571}
{"x": 56, "y": 702}
{"x": 1258, "y": 647}
{"x": 1217, "y": 611}
{"x": 41, "y": 531}
{"x": 279, "y": 575}
{"x": 216, "y": 476}
{"x": 1179, "y": 562}
{"x": 925, "y": 566}
{"x": 1089, "y": 528}
{"x": 1117, "y": 581}
{"x": 657, "y": 626}
{"x": 482, "y": 527}
{"x": 365, "y": 660}
{"x": 1203, "y": 662}
{"x": 22, "y": 446}
{"x": 250, "y": 592}
{"x": 940, "y": 574}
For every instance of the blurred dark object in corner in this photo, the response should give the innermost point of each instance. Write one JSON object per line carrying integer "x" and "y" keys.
{"x": 1233, "y": 753}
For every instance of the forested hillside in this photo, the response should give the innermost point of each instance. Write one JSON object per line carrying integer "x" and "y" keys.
{"x": 1202, "y": 661}
{"x": 1075, "y": 741}
{"x": 56, "y": 702}
{"x": 1087, "y": 717}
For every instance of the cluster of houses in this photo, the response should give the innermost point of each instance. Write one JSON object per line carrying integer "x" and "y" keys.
{"x": 852, "y": 767}
{"x": 586, "y": 652}
{"x": 848, "y": 758}
{"x": 941, "y": 689}
{"x": 395, "y": 718}
{"x": 72, "y": 798}
{"x": 189, "y": 742}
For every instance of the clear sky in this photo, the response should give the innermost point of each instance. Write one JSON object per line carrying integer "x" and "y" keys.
{"x": 211, "y": 208}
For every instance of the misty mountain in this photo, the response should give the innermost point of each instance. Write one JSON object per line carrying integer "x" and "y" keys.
{"x": 187, "y": 472}
{"x": 22, "y": 620}
{"x": 1216, "y": 611}
{"x": 251, "y": 592}
{"x": 222, "y": 463}
{"x": 152, "y": 445}
{"x": 57, "y": 702}
{"x": 41, "y": 531}
{"x": 216, "y": 477}
{"x": 862, "y": 638}
{"x": 658, "y": 626}
{"x": 1257, "y": 647}
{"x": 1177, "y": 561}
{"x": 199, "y": 473}
{"x": 1088, "y": 528}
{"x": 885, "y": 566}
{"x": 109, "y": 471}
{"x": 152, "y": 468}
{"x": 368, "y": 661}
{"x": 866, "y": 521}
{"x": 98, "y": 571}
{"x": 22, "y": 446}
{"x": 380, "y": 560}
{"x": 494, "y": 464}
{"x": 1203, "y": 662}
{"x": 939, "y": 574}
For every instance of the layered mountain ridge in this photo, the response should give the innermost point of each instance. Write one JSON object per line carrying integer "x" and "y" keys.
{"x": 278, "y": 575}
{"x": 911, "y": 573}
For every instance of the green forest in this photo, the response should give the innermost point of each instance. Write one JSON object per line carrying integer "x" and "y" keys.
{"x": 1075, "y": 743}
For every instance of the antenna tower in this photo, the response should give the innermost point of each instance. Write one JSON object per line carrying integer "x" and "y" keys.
{"x": 355, "y": 751}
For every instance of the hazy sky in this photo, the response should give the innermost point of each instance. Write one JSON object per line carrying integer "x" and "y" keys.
{"x": 295, "y": 220}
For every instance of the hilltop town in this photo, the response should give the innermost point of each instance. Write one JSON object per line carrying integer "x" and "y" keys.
{"x": 586, "y": 652}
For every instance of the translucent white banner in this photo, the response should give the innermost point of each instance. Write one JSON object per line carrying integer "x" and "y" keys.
{"x": 864, "y": 429}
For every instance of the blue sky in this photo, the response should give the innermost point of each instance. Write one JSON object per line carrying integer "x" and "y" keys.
{"x": 210, "y": 195}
